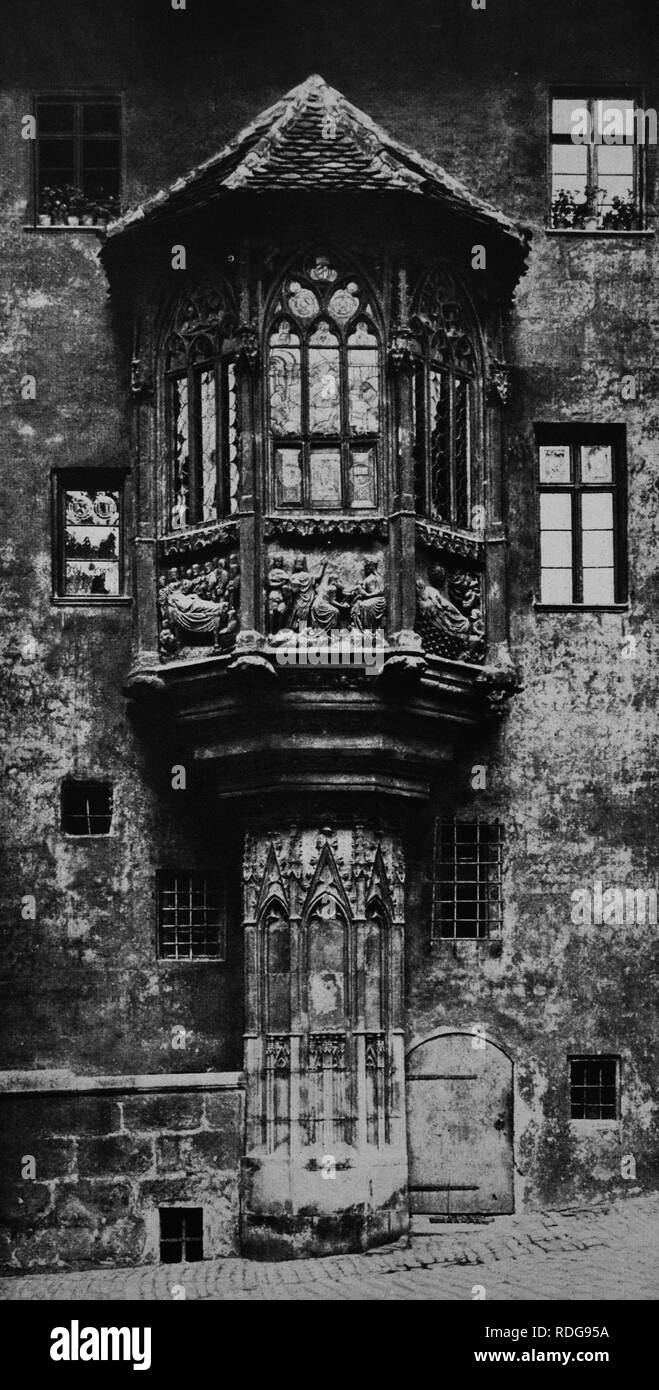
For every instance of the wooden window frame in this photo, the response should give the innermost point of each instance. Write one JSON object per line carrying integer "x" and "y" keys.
{"x": 590, "y": 94}
{"x": 82, "y": 783}
{"x": 576, "y": 436}
{"x": 82, "y": 479}
{"x": 78, "y": 99}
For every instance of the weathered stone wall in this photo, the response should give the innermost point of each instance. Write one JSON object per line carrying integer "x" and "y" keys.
{"x": 102, "y": 1165}
{"x": 571, "y": 774}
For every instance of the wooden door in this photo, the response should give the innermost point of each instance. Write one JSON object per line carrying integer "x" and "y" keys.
{"x": 460, "y": 1126}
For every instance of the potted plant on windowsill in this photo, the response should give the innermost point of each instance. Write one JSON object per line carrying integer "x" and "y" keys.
{"x": 45, "y": 213}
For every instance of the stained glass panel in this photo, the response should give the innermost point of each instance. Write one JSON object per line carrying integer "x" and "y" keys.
{"x": 324, "y": 389}
{"x": 325, "y": 477}
{"x": 91, "y": 554}
{"x": 555, "y": 463}
{"x": 302, "y": 301}
{"x": 345, "y": 302}
{"x": 207, "y": 405}
{"x": 362, "y": 477}
{"x": 363, "y": 381}
{"x": 462, "y": 451}
{"x": 232, "y": 438}
{"x": 181, "y": 433}
{"x": 285, "y": 386}
{"x": 440, "y": 465}
{"x": 288, "y": 477}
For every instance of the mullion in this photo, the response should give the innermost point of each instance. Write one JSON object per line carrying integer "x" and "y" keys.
{"x": 576, "y": 514}
{"x": 451, "y": 380}
{"x": 222, "y": 488}
{"x": 194, "y": 441}
{"x": 344, "y": 418}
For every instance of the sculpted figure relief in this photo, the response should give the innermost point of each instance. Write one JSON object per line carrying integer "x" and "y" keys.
{"x": 199, "y": 600}
{"x": 449, "y": 615}
{"x": 298, "y": 601}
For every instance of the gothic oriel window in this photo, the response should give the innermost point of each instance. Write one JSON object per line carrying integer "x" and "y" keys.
{"x": 324, "y": 393}
{"x": 444, "y": 388}
{"x": 201, "y": 413}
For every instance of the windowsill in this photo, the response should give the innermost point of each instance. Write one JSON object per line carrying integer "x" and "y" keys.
{"x": 112, "y": 601}
{"x": 452, "y": 941}
{"x": 594, "y": 1125}
{"x": 64, "y": 227}
{"x": 600, "y": 231}
{"x": 197, "y": 960}
{"x": 581, "y": 607}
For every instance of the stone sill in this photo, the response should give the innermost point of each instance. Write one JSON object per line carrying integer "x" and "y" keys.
{"x": 581, "y": 607}
{"x": 112, "y": 601}
{"x": 64, "y": 1082}
{"x": 595, "y": 1126}
{"x": 61, "y": 227}
{"x": 597, "y": 232}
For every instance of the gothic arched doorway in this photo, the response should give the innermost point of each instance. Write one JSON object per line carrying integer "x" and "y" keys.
{"x": 460, "y": 1126}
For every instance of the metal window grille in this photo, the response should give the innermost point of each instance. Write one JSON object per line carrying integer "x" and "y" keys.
{"x": 191, "y": 917}
{"x": 86, "y": 808}
{"x": 181, "y": 1234}
{"x": 594, "y": 1088}
{"x": 467, "y": 880}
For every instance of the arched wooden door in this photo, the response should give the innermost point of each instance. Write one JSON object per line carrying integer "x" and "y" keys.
{"x": 460, "y": 1126}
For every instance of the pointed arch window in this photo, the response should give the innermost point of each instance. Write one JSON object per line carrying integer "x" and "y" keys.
{"x": 444, "y": 405}
{"x": 201, "y": 413}
{"x": 324, "y": 393}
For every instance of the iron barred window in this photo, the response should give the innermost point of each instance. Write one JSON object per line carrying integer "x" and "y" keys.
{"x": 467, "y": 880}
{"x": 181, "y": 1234}
{"x": 596, "y": 168}
{"x": 582, "y": 516}
{"x": 594, "y": 1088}
{"x": 78, "y": 158}
{"x": 86, "y": 807}
{"x": 191, "y": 917}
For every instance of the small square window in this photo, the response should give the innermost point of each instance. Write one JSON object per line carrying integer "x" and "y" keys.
{"x": 88, "y": 540}
{"x": 467, "y": 880}
{"x": 192, "y": 915}
{"x": 594, "y": 1088}
{"x": 77, "y": 160}
{"x": 86, "y": 808}
{"x": 181, "y": 1234}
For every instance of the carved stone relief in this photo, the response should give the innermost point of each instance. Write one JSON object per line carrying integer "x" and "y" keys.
{"x": 449, "y": 612}
{"x": 198, "y": 604}
{"x": 311, "y": 593}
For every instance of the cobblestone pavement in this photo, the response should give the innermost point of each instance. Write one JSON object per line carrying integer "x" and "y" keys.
{"x": 608, "y": 1252}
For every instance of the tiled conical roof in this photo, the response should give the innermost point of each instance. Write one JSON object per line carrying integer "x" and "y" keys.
{"x": 314, "y": 139}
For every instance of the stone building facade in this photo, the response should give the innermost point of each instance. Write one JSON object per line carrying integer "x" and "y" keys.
{"x": 329, "y": 505}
